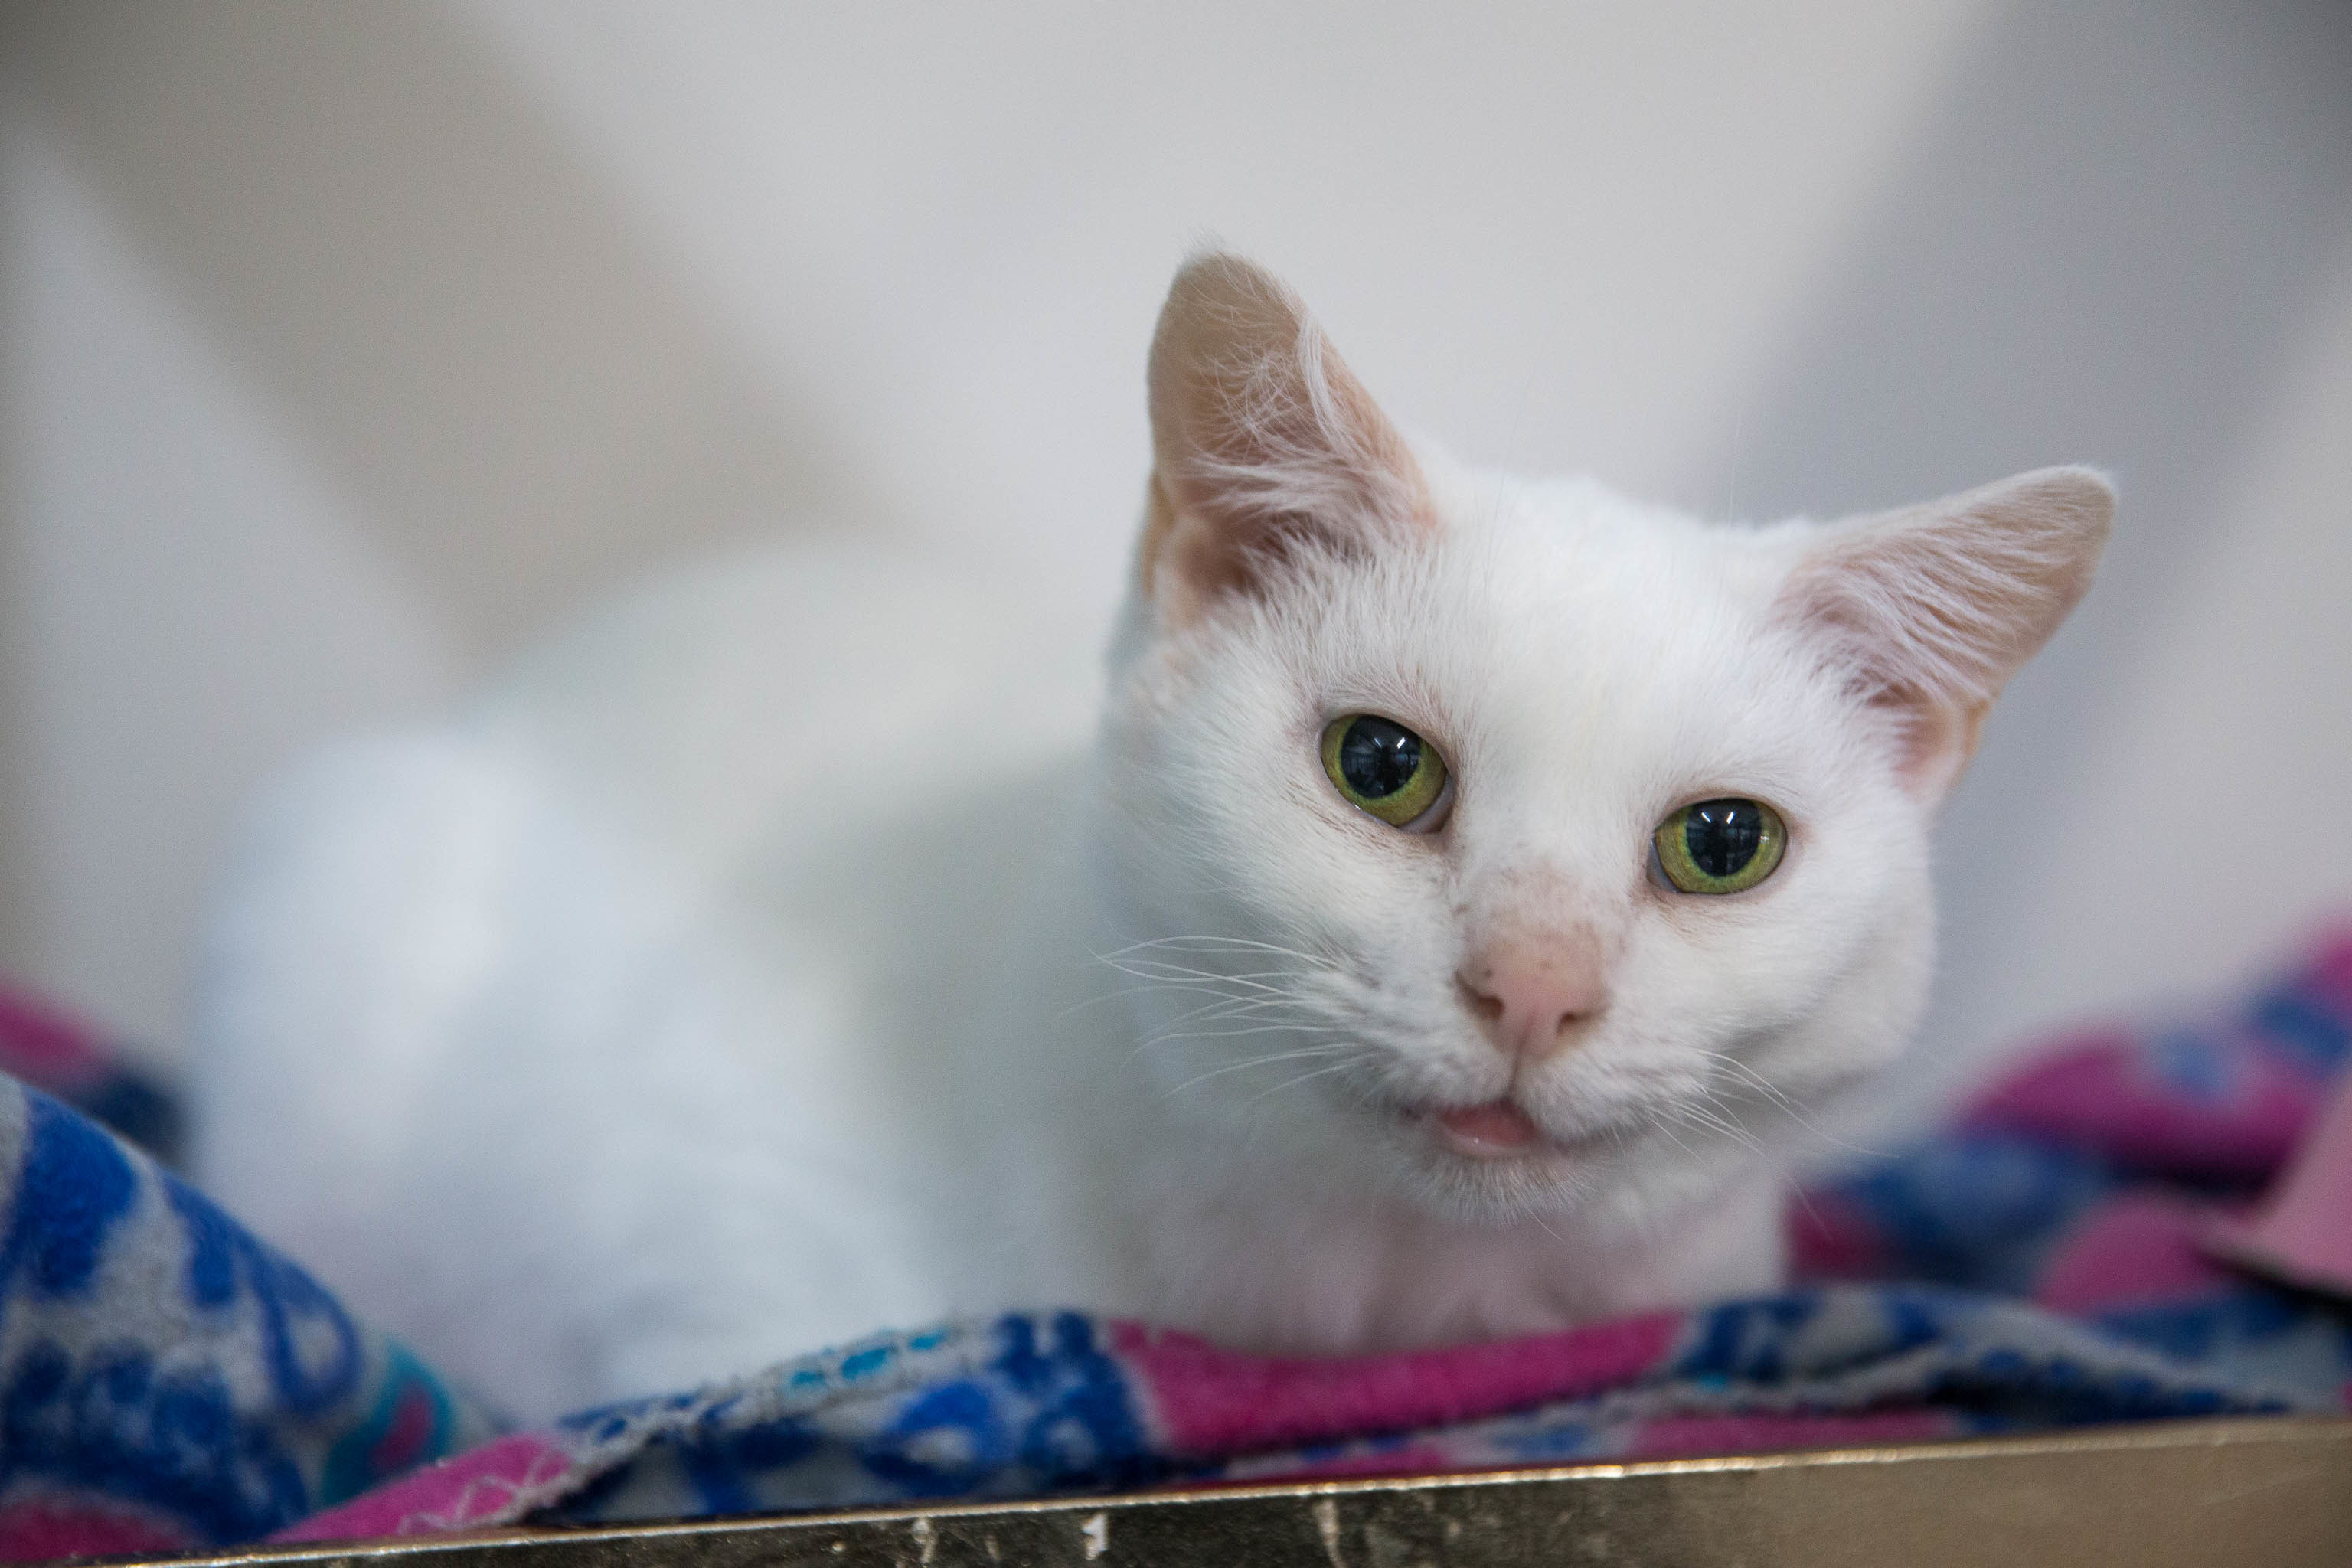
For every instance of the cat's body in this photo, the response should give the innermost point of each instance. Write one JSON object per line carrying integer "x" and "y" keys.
{"x": 776, "y": 959}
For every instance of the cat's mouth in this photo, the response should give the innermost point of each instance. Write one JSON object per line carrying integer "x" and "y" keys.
{"x": 1497, "y": 1130}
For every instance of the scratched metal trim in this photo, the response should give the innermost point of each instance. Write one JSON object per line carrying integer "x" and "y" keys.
{"x": 2271, "y": 1491}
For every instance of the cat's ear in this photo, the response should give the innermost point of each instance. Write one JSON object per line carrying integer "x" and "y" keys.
{"x": 1932, "y": 608}
{"x": 1265, "y": 446}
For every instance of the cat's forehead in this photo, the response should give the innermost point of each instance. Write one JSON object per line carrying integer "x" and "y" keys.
{"x": 1564, "y": 614}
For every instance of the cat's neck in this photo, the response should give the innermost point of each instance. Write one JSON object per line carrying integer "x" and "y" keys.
{"x": 1249, "y": 1250}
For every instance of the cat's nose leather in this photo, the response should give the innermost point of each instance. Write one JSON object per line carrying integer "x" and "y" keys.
{"x": 1533, "y": 997}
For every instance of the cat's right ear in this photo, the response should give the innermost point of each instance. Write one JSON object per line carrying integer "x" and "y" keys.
{"x": 1265, "y": 448}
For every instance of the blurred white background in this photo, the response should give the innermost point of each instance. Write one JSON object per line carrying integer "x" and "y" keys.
{"x": 346, "y": 344}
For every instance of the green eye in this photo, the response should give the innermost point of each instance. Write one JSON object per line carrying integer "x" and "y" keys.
{"x": 1383, "y": 767}
{"x": 1720, "y": 845}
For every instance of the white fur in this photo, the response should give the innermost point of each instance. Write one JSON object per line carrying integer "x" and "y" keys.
{"x": 771, "y": 960}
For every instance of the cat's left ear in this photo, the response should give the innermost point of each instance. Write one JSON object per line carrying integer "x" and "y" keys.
{"x": 1931, "y": 609}
{"x": 1265, "y": 448}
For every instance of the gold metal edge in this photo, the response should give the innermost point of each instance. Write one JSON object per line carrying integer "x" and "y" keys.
{"x": 2293, "y": 1431}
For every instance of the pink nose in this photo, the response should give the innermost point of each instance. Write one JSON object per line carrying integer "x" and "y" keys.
{"x": 1533, "y": 996}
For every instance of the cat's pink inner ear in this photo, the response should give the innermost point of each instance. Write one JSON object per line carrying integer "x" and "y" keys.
{"x": 1265, "y": 447}
{"x": 1931, "y": 609}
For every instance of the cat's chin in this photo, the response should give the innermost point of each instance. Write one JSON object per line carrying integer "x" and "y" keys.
{"x": 1495, "y": 1163}
{"x": 1606, "y": 1182}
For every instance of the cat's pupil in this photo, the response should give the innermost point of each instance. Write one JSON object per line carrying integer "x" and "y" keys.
{"x": 1723, "y": 835}
{"x": 1377, "y": 758}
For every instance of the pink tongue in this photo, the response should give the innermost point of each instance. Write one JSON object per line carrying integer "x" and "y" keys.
{"x": 1500, "y": 1125}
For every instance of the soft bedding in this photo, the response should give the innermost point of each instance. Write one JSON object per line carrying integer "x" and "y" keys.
{"x": 167, "y": 1380}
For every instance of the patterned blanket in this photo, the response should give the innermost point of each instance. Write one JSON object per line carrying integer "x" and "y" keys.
{"x": 166, "y": 1380}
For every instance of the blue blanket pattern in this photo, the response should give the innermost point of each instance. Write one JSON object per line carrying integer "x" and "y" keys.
{"x": 165, "y": 1379}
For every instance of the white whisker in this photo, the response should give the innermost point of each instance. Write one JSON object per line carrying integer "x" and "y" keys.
{"x": 1794, "y": 1111}
{"x": 1323, "y": 1050}
{"x": 1225, "y": 1033}
{"x": 1293, "y": 1083}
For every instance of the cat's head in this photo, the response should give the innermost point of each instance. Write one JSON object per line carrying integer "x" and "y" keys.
{"x": 1515, "y": 845}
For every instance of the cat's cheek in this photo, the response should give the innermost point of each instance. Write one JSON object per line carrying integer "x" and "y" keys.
{"x": 1775, "y": 959}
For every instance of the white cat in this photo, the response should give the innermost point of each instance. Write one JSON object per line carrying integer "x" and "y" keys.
{"x": 1472, "y": 885}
